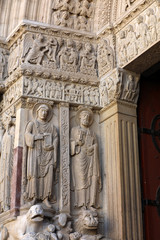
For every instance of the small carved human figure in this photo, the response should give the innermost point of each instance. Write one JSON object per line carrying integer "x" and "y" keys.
{"x": 88, "y": 60}
{"x": 103, "y": 94}
{"x": 130, "y": 89}
{"x": 105, "y": 57}
{"x": 40, "y": 156}
{"x": 37, "y": 51}
{"x": 141, "y": 34}
{"x": 2, "y": 65}
{"x": 131, "y": 43}
{"x": 85, "y": 161}
{"x": 6, "y": 162}
{"x": 122, "y": 48}
{"x": 151, "y": 24}
{"x": 68, "y": 57}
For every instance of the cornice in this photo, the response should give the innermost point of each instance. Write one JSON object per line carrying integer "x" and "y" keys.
{"x": 37, "y": 27}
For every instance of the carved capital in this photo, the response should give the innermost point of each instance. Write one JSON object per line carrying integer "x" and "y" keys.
{"x": 120, "y": 84}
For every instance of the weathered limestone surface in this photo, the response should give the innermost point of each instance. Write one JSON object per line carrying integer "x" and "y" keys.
{"x": 69, "y": 85}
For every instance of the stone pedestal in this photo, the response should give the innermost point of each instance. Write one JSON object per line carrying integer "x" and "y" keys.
{"x": 122, "y": 189}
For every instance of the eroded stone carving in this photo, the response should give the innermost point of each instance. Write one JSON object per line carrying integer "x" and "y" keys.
{"x": 88, "y": 60}
{"x": 53, "y": 56}
{"x": 6, "y": 161}
{"x": 34, "y": 49}
{"x": 120, "y": 84}
{"x": 86, "y": 225}
{"x": 85, "y": 162}
{"x": 12, "y": 94}
{"x": 141, "y": 34}
{"x": 151, "y": 26}
{"x": 40, "y": 156}
{"x": 73, "y": 14}
{"x": 36, "y": 225}
{"x": 133, "y": 41}
{"x": 105, "y": 57}
{"x": 60, "y": 91}
{"x": 3, "y": 64}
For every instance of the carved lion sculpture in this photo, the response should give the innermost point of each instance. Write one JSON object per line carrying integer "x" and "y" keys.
{"x": 87, "y": 221}
{"x": 28, "y": 223}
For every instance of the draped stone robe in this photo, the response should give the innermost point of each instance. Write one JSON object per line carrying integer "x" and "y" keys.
{"x": 85, "y": 167}
{"x": 40, "y": 157}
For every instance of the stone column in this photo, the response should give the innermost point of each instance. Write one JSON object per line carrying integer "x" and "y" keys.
{"x": 120, "y": 142}
{"x": 64, "y": 159}
{"x": 21, "y": 119}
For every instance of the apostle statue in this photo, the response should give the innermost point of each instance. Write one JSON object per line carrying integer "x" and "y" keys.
{"x": 85, "y": 161}
{"x": 40, "y": 156}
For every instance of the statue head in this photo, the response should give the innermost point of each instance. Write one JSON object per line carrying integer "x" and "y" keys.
{"x": 42, "y": 112}
{"x": 84, "y": 117}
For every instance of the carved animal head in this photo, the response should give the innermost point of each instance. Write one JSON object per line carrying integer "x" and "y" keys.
{"x": 88, "y": 220}
{"x": 35, "y": 213}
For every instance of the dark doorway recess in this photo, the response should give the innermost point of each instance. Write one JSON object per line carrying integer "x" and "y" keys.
{"x": 149, "y": 147}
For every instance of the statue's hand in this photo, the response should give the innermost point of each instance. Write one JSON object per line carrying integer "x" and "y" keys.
{"x": 79, "y": 143}
{"x": 38, "y": 137}
{"x": 49, "y": 148}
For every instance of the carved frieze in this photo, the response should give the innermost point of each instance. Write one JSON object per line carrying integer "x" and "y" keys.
{"x": 120, "y": 84}
{"x": 55, "y": 57}
{"x": 138, "y": 36}
{"x": 12, "y": 94}
{"x": 76, "y": 14}
{"x": 60, "y": 91}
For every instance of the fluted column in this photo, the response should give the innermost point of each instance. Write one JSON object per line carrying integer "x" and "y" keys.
{"x": 123, "y": 195}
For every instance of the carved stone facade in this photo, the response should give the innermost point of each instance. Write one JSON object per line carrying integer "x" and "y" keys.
{"x": 69, "y": 85}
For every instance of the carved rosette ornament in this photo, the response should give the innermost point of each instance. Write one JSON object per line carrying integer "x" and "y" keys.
{"x": 120, "y": 84}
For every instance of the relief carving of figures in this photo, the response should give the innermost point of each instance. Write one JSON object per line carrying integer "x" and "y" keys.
{"x": 51, "y": 53}
{"x": 72, "y": 14}
{"x": 105, "y": 57}
{"x": 60, "y": 91}
{"x": 85, "y": 161}
{"x": 3, "y": 65}
{"x": 6, "y": 161}
{"x": 34, "y": 49}
{"x": 103, "y": 93}
{"x": 40, "y": 157}
{"x": 68, "y": 57}
{"x": 57, "y": 53}
{"x": 122, "y": 48}
{"x": 88, "y": 60}
{"x": 15, "y": 58}
{"x": 131, "y": 43}
{"x": 141, "y": 34}
{"x": 151, "y": 26}
{"x": 131, "y": 88}
{"x": 127, "y": 4}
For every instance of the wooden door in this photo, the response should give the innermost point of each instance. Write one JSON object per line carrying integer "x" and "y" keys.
{"x": 149, "y": 144}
